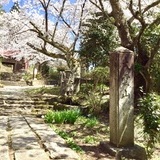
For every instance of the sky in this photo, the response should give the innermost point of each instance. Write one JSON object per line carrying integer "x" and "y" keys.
{"x": 8, "y": 6}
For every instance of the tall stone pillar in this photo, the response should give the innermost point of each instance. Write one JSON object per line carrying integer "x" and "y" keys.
{"x": 121, "y": 97}
{"x": 121, "y": 116}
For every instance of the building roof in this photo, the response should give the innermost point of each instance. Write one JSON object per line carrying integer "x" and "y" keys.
{"x": 9, "y": 54}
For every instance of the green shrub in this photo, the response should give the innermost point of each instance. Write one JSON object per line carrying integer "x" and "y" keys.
{"x": 155, "y": 73}
{"x": 100, "y": 75}
{"x": 49, "y": 117}
{"x": 74, "y": 146}
{"x": 54, "y": 75}
{"x": 90, "y": 139}
{"x": 91, "y": 122}
{"x": 86, "y": 88}
{"x": 27, "y": 76}
{"x": 60, "y": 117}
{"x": 94, "y": 91}
{"x": 94, "y": 103}
{"x": 150, "y": 114}
{"x": 71, "y": 116}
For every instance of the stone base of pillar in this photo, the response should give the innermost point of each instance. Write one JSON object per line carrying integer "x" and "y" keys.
{"x": 136, "y": 152}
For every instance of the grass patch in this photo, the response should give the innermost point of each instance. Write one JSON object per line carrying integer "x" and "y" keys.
{"x": 91, "y": 122}
{"x": 69, "y": 140}
{"x": 49, "y": 117}
{"x": 60, "y": 117}
{"x": 90, "y": 139}
{"x": 85, "y": 131}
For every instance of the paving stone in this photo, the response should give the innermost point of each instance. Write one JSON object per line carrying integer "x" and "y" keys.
{"x": 59, "y": 151}
{"x": 52, "y": 142}
{"x": 4, "y": 150}
{"x": 27, "y": 142}
{"x": 44, "y": 131}
{"x": 22, "y": 135}
{"x": 3, "y": 123}
{"x": 31, "y": 155}
{"x": 28, "y": 138}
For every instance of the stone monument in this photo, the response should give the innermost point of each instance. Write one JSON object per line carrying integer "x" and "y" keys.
{"x": 121, "y": 117}
{"x": 122, "y": 98}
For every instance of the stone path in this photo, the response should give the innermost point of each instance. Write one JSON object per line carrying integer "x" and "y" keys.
{"x": 24, "y": 137}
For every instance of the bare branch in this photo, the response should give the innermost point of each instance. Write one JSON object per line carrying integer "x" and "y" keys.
{"x": 48, "y": 3}
{"x": 151, "y": 5}
{"x": 60, "y": 14}
{"x": 101, "y": 8}
{"x": 139, "y": 6}
{"x": 42, "y": 3}
{"x": 137, "y": 14}
{"x": 143, "y": 28}
{"x": 95, "y": 4}
{"x": 80, "y": 24}
{"x": 19, "y": 33}
{"x": 57, "y": 45}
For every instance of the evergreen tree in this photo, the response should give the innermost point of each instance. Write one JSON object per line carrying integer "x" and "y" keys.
{"x": 97, "y": 40}
{"x": 15, "y": 7}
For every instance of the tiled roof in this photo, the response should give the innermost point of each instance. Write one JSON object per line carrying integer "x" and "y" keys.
{"x": 9, "y": 54}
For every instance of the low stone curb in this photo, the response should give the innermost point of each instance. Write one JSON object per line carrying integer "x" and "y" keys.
{"x": 53, "y": 143}
{"x": 30, "y": 138}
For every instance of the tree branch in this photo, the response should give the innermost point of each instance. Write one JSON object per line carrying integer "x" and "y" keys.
{"x": 60, "y": 14}
{"x": 121, "y": 24}
{"x": 46, "y": 52}
{"x": 57, "y": 45}
{"x": 151, "y": 5}
{"x": 80, "y": 24}
{"x": 137, "y": 14}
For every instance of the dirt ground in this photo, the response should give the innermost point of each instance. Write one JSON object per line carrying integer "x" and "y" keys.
{"x": 88, "y": 138}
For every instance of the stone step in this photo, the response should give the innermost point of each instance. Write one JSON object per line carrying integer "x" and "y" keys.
{"x": 45, "y": 98}
{"x": 23, "y": 111}
{"x": 8, "y": 106}
{"x": 13, "y": 83}
{"x": 13, "y": 97}
{"x": 22, "y": 102}
{"x": 32, "y": 98}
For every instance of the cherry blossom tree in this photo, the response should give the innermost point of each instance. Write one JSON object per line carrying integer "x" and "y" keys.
{"x": 52, "y": 28}
{"x": 4, "y": 2}
{"x": 60, "y": 35}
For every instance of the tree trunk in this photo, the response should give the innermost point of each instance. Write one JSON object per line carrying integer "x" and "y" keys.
{"x": 70, "y": 83}
{"x": 67, "y": 83}
{"x": 143, "y": 81}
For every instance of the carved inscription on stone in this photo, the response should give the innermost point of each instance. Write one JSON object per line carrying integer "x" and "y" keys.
{"x": 122, "y": 98}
